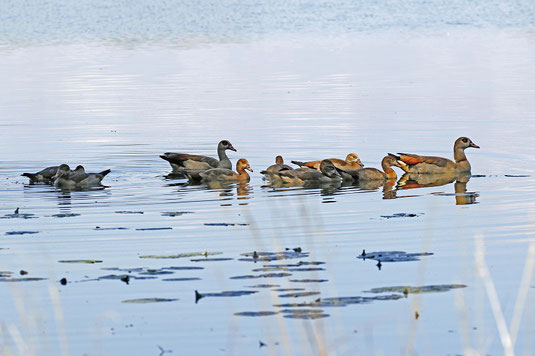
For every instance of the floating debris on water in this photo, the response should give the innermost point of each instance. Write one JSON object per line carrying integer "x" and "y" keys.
{"x": 183, "y": 268}
{"x": 298, "y": 264}
{"x": 307, "y": 314}
{"x": 339, "y": 301}
{"x": 238, "y": 293}
{"x": 254, "y": 314}
{"x": 416, "y": 290}
{"x": 149, "y": 300}
{"x": 157, "y": 272}
{"x": 269, "y": 269}
{"x": 183, "y": 255}
{"x": 4, "y": 274}
{"x": 225, "y": 224}
{"x": 80, "y": 261}
{"x": 110, "y": 228}
{"x": 517, "y": 175}
{"x": 21, "y": 232}
{"x": 176, "y": 213}
{"x": 65, "y": 215}
{"x": 22, "y": 279}
{"x": 63, "y": 281}
{"x": 287, "y": 289}
{"x": 310, "y": 269}
{"x": 392, "y": 256}
{"x": 129, "y": 212}
{"x": 264, "y": 286}
{"x": 23, "y": 272}
{"x": 272, "y": 256}
{"x": 266, "y": 275}
{"x": 17, "y": 215}
{"x": 154, "y": 228}
{"x": 211, "y": 259}
{"x": 120, "y": 277}
{"x": 298, "y": 294}
{"x": 181, "y": 279}
{"x": 309, "y": 280}
{"x": 402, "y": 215}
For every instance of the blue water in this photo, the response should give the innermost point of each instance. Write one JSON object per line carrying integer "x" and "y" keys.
{"x": 149, "y": 21}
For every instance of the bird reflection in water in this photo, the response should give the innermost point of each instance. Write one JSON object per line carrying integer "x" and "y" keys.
{"x": 227, "y": 189}
{"x": 462, "y": 196}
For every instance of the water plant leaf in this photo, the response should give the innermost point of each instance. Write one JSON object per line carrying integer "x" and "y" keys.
{"x": 265, "y": 275}
{"x": 183, "y": 255}
{"x": 392, "y": 256}
{"x": 22, "y": 279}
{"x": 256, "y": 314}
{"x": 416, "y": 290}
{"x": 21, "y": 232}
{"x": 149, "y": 300}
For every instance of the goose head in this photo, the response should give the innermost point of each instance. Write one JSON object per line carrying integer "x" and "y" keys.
{"x": 225, "y": 145}
{"x": 279, "y": 160}
{"x": 353, "y": 158}
{"x": 63, "y": 171}
{"x": 242, "y": 165}
{"x": 328, "y": 169}
{"x": 464, "y": 142}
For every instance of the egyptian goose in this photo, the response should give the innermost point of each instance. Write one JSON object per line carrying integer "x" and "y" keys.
{"x": 327, "y": 174}
{"x": 278, "y": 166}
{"x": 182, "y": 162}
{"x": 374, "y": 174}
{"x": 228, "y": 175}
{"x": 43, "y": 176}
{"x": 437, "y": 165}
{"x": 65, "y": 178}
{"x": 352, "y": 161}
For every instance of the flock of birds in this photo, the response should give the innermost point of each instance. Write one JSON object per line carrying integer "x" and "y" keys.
{"x": 199, "y": 168}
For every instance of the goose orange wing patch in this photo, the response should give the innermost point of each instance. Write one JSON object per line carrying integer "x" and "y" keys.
{"x": 410, "y": 159}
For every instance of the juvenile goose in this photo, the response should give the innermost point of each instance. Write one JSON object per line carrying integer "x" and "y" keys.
{"x": 65, "y": 178}
{"x": 228, "y": 175}
{"x": 352, "y": 161}
{"x": 437, "y": 165}
{"x": 300, "y": 176}
{"x": 182, "y": 162}
{"x": 43, "y": 176}
{"x": 374, "y": 174}
{"x": 278, "y": 166}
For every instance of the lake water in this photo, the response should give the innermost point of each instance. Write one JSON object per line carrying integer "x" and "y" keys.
{"x": 116, "y": 85}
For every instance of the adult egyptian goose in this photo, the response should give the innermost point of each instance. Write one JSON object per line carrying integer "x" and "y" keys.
{"x": 374, "y": 174}
{"x": 278, "y": 166}
{"x": 438, "y": 165}
{"x": 228, "y": 175}
{"x": 65, "y": 178}
{"x": 305, "y": 175}
{"x": 43, "y": 176}
{"x": 182, "y": 162}
{"x": 352, "y": 161}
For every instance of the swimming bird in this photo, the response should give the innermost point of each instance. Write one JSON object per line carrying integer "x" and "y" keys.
{"x": 43, "y": 176}
{"x": 278, "y": 166}
{"x": 412, "y": 163}
{"x": 305, "y": 175}
{"x": 228, "y": 175}
{"x": 182, "y": 162}
{"x": 352, "y": 161}
{"x": 374, "y": 174}
{"x": 65, "y": 178}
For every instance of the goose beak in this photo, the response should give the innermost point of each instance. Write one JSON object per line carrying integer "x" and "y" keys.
{"x": 249, "y": 168}
{"x": 232, "y": 148}
{"x": 473, "y": 145}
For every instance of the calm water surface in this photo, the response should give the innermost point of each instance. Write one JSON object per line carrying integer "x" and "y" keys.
{"x": 117, "y": 100}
